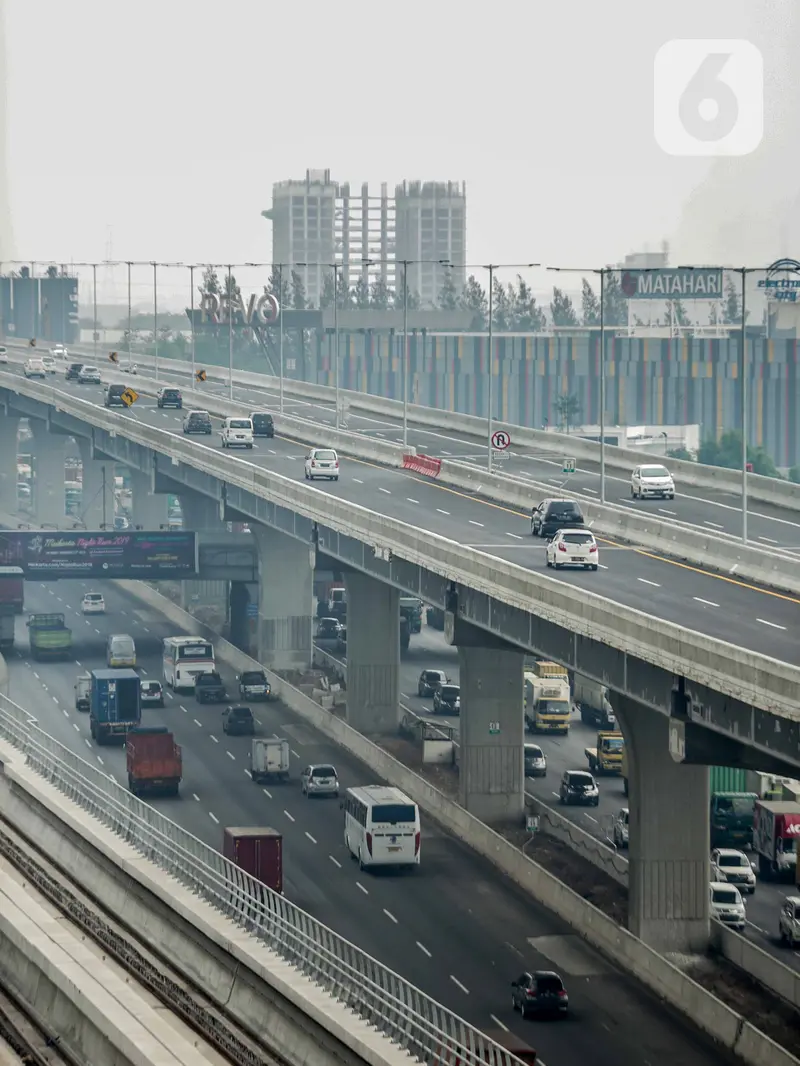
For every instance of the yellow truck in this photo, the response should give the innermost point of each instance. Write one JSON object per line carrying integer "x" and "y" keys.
{"x": 606, "y": 757}
{"x": 547, "y": 699}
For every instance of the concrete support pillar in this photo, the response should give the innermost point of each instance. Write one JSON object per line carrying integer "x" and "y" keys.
{"x": 668, "y": 835}
{"x": 97, "y": 498}
{"x": 373, "y": 654}
{"x": 491, "y": 769}
{"x": 201, "y": 515}
{"x": 148, "y": 509}
{"x": 286, "y": 593}
{"x": 9, "y": 435}
{"x": 49, "y": 494}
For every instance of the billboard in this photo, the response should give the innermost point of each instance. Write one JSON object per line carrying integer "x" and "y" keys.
{"x": 673, "y": 283}
{"x": 44, "y": 308}
{"x": 78, "y": 553}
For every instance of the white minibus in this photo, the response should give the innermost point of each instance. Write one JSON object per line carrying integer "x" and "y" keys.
{"x": 184, "y": 659}
{"x": 381, "y": 826}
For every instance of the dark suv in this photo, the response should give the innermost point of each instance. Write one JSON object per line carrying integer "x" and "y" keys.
{"x": 263, "y": 425}
{"x": 238, "y": 721}
{"x": 113, "y": 395}
{"x": 73, "y": 371}
{"x": 197, "y": 422}
{"x": 169, "y": 398}
{"x": 552, "y": 515}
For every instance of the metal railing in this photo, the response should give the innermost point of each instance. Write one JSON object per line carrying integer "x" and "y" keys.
{"x": 408, "y": 1017}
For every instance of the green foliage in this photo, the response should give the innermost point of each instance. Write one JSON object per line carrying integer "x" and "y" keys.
{"x": 568, "y": 407}
{"x": 448, "y": 294}
{"x": 526, "y": 315}
{"x": 680, "y": 453}
{"x": 279, "y": 287}
{"x": 727, "y": 452}
{"x": 327, "y": 293}
{"x": 210, "y": 281}
{"x": 361, "y": 293}
{"x": 473, "y": 299}
{"x": 502, "y": 303}
{"x": 590, "y": 305}
{"x": 298, "y": 292}
{"x": 731, "y": 304}
{"x": 615, "y": 310}
{"x": 794, "y": 475}
{"x": 380, "y": 296}
{"x": 562, "y": 311}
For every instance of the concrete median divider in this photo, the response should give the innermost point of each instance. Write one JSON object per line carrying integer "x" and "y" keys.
{"x": 750, "y": 958}
{"x": 603, "y": 856}
{"x": 653, "y": 970}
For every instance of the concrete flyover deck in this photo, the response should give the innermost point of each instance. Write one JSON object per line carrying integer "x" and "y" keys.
{"x": 736, "y": 655}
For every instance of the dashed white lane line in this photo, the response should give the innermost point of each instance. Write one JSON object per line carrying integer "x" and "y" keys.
{"x": 390, "y": 916}
{"x": 100, "y": 761}
{"x": 409, "y": 500}
{"x": 456, "y": 981}
{"x": 267, "y": 793}
{"x": 358, "y": 481}
{"x": 364, "y": 890}
{"x": 87, "y": 742}
{"x": 65, "y": 712}
{"x": 249, "y": 774}
{"x": 170, "y": 696}
{"x": 312, "y": 839}
{"x": 516, "y": 536}
{"x": 441, "y": 511}
{"x": 707, "y": 603}
{"x": 54, "y": 699}
{"x": 77, "y": 663}
{"x": 499, "y": 1024}
{"x": 198, "y": 723}
{"x": 76, "y": 727}
{"x": 213, "y": 817}
{"x": 230, "y": 755}
{"x": 294, "y": 753}
{"x": 644, "y": 581}
{"x": 35, "y": 675}
{"x": 424, "y": 950}
{"x": 195, "y": 796}
{"x": 183, "y": 709}
{"x": 335, "y": 861}
{"x": 479, "y": 524}
{"x": 772, "y": 625}
{"x": 289, "y": 816}
{"x": 388, "y": 493}
{"x": 663, "y": 510}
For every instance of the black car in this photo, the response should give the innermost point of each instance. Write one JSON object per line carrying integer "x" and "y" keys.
{"x": 169, "y": 397}
{"x": 254, "y": 685}
{"x": 263, "y": 424}
{"x": 73, "y": 371}
{"x": 238, "y": 722}
{"x": 328, "y": 628}
{"x": 578, "y": 786}
{"x": 113, "y": 395}
{"x": 552, "y": 515}
{"x": 209, "y": 688}
{"x": 197, "y": 422}
{"x": 447, "y": 700}
{"x": 341, "y": 640}
{"x": 539, "y": 992}
{"x": 430, "y": 681}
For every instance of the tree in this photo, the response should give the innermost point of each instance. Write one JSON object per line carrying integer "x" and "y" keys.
{"x": 713, "y": 315}
{"x": 527, "y": 316}
{"x": 568, "y": 407}
{"x": 279, "y": 287}
{"x": 52, "y": 271}
{"x": 502, "y": 301}
{"x": 413, "y": 302}
{"x": 615, "y": 311}
{"x": 794, "y": 475}
{"x": 380, "y": 296}
{"x": 298, "y": 292}
{"x": 731, "y": 304}
{"x": 361, "y": 292}
{"x": 210, "y": 281}
{"x": 562, "y": 311}
{"x": 448, "y": 293}
{"x": 229, "y": 286}
{"x": 590, "y": 305}
{"x": 727, "y": 452}
{"x": 680, "y": 453}
{"x": 680, "y": 316}
{"x": 327, "y": 293}
{"x": 473, "y": 299}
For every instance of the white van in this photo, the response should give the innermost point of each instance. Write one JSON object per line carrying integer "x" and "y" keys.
{"x": 120, "y": 650}
{"x": 381, "y": 826}
{"x": 237, "y": 432}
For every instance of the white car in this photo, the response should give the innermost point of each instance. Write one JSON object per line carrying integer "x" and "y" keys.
{"x": 3, "y": 354}
{"x": 789, "y": 921}
{"x": 727, "y": 905}
{"x": 652, "y": 480}
{"x": 93, "y": 603}
{"x": 573, "y": 547}
{"x": 236, "y": 433}
{"x": 621, "y": 827}
{"x": 736, "y": 867}
{"x": 321, "y": 780}
{"x": 49, "y": 364}
{"x": 59, "y": 352}
{"x": 322, "y": 462}
{"x": 89, "y": 375}
{"x": 34, "y": 368}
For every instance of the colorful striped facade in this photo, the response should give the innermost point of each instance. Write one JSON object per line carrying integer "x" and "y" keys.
{"x": 648, "y": 381}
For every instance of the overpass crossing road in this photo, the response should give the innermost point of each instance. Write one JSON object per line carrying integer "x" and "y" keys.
{"x": 455, "y": 928}
{"x": 741, "y": 614}
{"x": 708, "y": 509}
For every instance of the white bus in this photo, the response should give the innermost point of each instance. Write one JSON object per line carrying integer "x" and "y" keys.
{"x": 381, "y": 826}
{"x": 185, "y": 658}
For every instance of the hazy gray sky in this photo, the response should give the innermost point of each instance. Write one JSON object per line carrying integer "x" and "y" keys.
{"x": 162, "y": 125}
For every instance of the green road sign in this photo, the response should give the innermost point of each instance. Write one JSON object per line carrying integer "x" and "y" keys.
{"x": 568, "y": 466}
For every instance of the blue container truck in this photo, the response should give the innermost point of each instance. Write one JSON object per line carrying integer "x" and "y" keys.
{"x": 115, "y": 704}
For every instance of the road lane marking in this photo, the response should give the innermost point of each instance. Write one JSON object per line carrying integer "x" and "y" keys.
{"x": 335, "y": 861}
{"x": 773, "y": 625}
{"x": 196, "y": 722}
{"x": 409, "y": 500}
{"x": 708, "y": 603}
{"x": 312, "y": 839}
{"x": 472, "y": 522}
{"x": 424, "y": 950}
{"x": 230, "y": 755}
{"x": 213, "y": 817}
{"x": 291, "y": 750}
{"x": 500, "y": 1025}
{"x": 267, "y": 793}
{"x": 456, "y": 981}
{"x": 249, "y": 774}
{"x": 645, "y": 581}
{"x": 364, "y": 890}
{"x": 441, "y": 511}
{"x": 289, "y": 816}
{"x": 381, "y": 489}
{"x": 390, "y": 916}
{"x": 195, "y": 796}
{"x": 516, "y": 536}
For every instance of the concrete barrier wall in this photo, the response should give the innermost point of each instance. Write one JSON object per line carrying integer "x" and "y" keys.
{"x": 750, "y": 958}
{"x": 654, "y": 971}
{"x": 619, "y": 461}
{"x": 275, "y": 1002}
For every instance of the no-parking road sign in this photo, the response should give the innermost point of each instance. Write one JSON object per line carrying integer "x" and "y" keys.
{"x": 500, "y": 440}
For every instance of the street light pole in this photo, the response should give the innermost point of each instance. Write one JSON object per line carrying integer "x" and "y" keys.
{"x": 336, "y": 337}
{"x": 155, "y": 318}
{"x": 744, "y": 405}
{"x": 230, "y": 331}
{"x": 602, "y": 385}
{"x": 490, "y": 393}
{"x": 130, "y": 356}
{"x": 280, "y": 335}
{"x": 191, "y": 312}
{"x": 405, "y": 353}
{"x": 94, "y": 305}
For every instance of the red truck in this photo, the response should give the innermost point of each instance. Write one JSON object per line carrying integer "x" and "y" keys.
{"x": 155, "y": 762}
{"x": 257, "y": 851}
{"x": 776, "y": 832}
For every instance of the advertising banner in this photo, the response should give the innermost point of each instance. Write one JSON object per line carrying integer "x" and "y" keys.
{"x": 81, "y": 553}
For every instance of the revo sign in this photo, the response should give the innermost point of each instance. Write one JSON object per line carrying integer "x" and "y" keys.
{"x": 260, "y": 310}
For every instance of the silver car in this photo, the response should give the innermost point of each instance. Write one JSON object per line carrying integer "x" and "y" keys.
{"x": 319, "y": 780}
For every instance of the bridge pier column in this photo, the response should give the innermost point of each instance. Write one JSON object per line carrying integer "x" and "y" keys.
{"x": 669, "y": 839}
{"x": 49, "y": 493}
{"x": 97, "y": 498}
{"x": 9, "y": 438}
{"x": 149, "y": 510}
{"x": 201, "y": 515}
{"x": 373, "y": 654}
{"x": 286, "y": 594}
{"x": 491, "y": 769}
